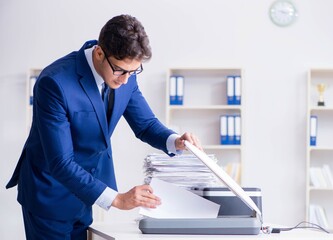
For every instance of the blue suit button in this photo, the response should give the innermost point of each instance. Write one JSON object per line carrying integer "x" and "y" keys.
{"x": 93, "y": 170}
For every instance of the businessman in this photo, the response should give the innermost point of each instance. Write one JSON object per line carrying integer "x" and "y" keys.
{"x": 66, "y": 164}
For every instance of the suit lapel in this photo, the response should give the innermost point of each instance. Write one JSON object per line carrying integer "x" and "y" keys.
{"x": 93, "y": 94}
{"x": 121, "y": 98}
{"x": 89, "y": 85}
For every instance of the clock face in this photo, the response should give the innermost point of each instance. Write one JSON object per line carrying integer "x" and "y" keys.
{"x": 283, "y": 13}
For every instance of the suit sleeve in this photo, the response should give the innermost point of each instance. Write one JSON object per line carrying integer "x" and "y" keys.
{"x": 55, "y": 133}
{"x": 144, "y": 123}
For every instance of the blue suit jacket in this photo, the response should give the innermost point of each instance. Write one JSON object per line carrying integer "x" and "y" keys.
{"x": 66, "y": 162}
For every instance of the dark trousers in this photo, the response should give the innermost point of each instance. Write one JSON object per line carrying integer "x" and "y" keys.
{"x": 39, "y": 228}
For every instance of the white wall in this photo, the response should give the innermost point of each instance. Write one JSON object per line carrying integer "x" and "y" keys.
{"x": 215, "y": 33}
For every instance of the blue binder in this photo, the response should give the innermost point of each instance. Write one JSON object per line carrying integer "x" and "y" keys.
{"x": 224, "y": 129}
{"x": 313, "y": 130}
{"x": 231, "y": 129}
{"x": 237, "y": 95}
{"x": 176, "y": 90}
{"x": 32, "y": 82}
{"x": 180, "y": 90}
{"x": 230, "y": 90}
{"x": 172, "y": 90}
{"x": 234, "y": 90}
{"x": 237, "y": 129}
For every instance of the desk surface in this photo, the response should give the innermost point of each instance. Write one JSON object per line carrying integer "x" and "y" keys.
{"x": 129, "y": 230}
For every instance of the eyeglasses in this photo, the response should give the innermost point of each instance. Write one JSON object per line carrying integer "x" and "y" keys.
{"x": 120, "y": 71}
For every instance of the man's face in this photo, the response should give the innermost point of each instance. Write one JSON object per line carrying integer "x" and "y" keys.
{"x": 116, "y": 72}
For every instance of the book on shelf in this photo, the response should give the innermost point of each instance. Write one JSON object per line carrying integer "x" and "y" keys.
{"x": 234, "y": 90}
{"x": 237, "y": 98}
{"x": 32, "y": 81}
{"x": 321, "y": 177}
{"x": 317, "y": 215}
{"x": 172, "y": 89}
{"x": 176, "y": 89}
{"x": 180, "y": 90}
{"x": 233, "y": 169}
{"x": 328, "y": 175}
{"x": 313, "y": 130}
{"x": 223, "y": 129}
{"x": 230, "y": 90}
{"x": 237, "y": 119}
{"x": 230, "y": 129}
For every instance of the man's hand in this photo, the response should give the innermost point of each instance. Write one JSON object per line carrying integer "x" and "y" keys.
{"x": 139, "y": 196}
{"x": 180, "y": 145}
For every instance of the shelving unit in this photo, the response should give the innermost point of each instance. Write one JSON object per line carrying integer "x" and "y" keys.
{"x": 32, "y": 76}
{"x": 322, "y": 153}
{"x": 204, "y": 101}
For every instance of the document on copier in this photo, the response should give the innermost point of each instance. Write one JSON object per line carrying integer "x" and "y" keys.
{"x": 224, "y": 177}
{"x": 179, "y": 203}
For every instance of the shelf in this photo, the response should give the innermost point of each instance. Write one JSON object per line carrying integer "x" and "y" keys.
{"x": 204, "y": 72}
{"x": 320, "y": 109}
{"x": 320, "y": 157}
{"x": 204, "y": 102}
{"x": 320, "y": 189}
{"x": 206, "y": 107}
{"x": 320, "y": 148}
{"x": 222, "y": 147}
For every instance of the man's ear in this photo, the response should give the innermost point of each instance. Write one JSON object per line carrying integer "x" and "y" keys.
{"x": 99, "y": 54}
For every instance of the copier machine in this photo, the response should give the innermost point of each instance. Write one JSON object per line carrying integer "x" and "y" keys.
{"x": 240, "y": 212}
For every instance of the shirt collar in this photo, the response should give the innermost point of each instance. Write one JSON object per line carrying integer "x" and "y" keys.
{"x": 99, "y": 80}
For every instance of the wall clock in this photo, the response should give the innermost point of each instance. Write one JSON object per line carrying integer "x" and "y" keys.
{"x": 283, "y": 13}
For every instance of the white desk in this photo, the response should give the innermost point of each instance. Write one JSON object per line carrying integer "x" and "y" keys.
{"x": 129, "y": 230}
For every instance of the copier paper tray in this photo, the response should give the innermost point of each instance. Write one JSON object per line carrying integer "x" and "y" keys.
{"x": 233, "y": 225}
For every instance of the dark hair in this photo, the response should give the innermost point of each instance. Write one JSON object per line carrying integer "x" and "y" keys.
{"x": 123, "y": 37}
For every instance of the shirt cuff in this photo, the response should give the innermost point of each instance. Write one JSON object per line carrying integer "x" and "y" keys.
{"x": 171, "y": 146}
{"x": 106, "y": 198}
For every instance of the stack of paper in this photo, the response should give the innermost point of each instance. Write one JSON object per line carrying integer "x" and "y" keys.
{"x": 185, "y": 170}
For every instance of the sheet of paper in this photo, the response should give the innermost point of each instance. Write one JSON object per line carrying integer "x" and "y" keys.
{"x": 179, "y": 203}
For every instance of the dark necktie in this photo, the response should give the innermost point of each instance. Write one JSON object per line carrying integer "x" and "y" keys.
{"x": 111, "y": 104}
{"x": 108, "y": 99}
